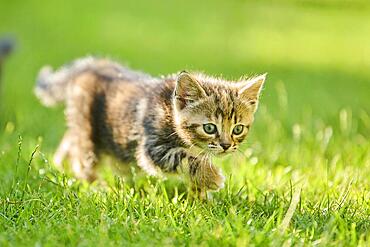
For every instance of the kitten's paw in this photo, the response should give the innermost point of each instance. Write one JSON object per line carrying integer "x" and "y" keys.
{"x": 197, "y": 193}
{"x": 204, "y": 195}
{"x": 217, "y": 183}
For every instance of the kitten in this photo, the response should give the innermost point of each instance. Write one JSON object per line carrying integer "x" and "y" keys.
{"x": 170, "y": 124}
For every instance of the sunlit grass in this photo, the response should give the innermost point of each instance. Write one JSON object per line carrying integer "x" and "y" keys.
{"x": 328, "y": 162}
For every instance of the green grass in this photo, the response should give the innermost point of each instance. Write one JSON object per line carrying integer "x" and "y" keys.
{"x": 311, "y": 133}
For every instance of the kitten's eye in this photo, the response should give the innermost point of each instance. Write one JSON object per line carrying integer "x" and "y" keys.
{"x": 238, "y": 129}
{"x": 210, "y": 128}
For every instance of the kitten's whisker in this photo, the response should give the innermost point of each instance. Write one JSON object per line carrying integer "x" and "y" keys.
{"x": 199, "y": 154}
{"x": 173, "y": 133}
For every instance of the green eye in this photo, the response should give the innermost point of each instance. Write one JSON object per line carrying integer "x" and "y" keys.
{"x": 210, "y": 128}
{"x": 238, "y": 129}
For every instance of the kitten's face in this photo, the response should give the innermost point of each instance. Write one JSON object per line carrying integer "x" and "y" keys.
{"x": 213, "y": 115}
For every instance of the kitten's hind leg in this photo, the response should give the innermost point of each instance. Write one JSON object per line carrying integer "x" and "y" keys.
{"x": 63, "y": 150}
{"x": 79, "y": 113}
{"x": 84, "y": 165}
{"x": 81, "y": 158}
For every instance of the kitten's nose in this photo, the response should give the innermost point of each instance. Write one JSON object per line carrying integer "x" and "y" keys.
{"x": 225, "y": 146}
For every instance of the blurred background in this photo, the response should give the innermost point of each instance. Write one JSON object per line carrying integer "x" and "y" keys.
{"x": 316, "y": 53}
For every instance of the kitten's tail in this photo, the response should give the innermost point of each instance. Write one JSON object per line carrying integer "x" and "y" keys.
{"x": 51, "y": 84}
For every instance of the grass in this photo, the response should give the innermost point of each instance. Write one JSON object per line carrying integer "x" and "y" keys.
{"x": 310, "y": 138}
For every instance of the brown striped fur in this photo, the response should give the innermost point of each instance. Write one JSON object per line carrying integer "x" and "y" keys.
{"x": 156, "y": 122}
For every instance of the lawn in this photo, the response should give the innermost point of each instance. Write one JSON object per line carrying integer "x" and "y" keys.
{"x": 309, "y": 148}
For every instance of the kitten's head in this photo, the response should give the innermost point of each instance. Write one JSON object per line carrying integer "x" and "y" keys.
{"x": 212, "y": 114}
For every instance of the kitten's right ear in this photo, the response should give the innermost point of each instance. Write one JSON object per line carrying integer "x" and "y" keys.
{"x": 251, "y": 89}
{"x": 188, "y": 90}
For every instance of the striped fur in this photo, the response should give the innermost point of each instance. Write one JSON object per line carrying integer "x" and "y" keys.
{"x": 156, "y": 122}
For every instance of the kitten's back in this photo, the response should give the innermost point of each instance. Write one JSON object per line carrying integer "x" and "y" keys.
{"x": 51, "y": 84}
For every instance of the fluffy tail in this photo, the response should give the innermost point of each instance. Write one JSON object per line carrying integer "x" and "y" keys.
{"x": 51, "y": 85}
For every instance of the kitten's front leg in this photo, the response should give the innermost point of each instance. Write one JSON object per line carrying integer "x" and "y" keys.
{"x": 204, "y": 176}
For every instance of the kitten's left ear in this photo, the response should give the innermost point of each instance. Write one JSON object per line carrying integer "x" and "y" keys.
{"x": 188, "y": 90}
{"x": 251, "y": 89}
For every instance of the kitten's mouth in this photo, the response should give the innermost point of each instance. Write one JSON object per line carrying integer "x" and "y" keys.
{"x": 227, "y": 151}
{"x": 222, "y": 153}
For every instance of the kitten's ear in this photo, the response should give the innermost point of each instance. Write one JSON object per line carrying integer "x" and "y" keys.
{"x": 188, "y": 90}
{"x": 250, "y": 90}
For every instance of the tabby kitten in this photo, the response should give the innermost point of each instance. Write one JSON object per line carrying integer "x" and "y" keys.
{"x": 170, "y": 124}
